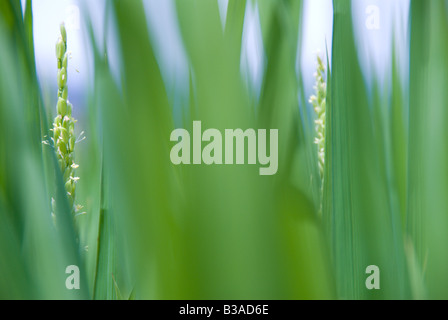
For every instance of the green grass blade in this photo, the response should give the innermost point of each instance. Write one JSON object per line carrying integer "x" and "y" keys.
{"x": 428, "y": 152}
{"x": 364, "y": 227}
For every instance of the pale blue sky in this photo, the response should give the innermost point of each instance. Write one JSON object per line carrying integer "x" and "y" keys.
{"x": 374, "y": 45}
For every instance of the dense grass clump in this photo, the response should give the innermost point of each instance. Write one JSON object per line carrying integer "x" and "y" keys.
{"x": 361, "y": 180}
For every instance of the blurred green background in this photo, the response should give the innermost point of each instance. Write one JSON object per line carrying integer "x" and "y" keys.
{"x": 153, "y": 230}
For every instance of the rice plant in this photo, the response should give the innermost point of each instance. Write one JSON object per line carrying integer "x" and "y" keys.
{"x": 361, "y": 177}
{"x": 320, "y": 106}
{"x": 64, "y": 140}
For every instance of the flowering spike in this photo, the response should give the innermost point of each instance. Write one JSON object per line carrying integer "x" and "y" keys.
{"x": 319, "y": 104}
{"x": 63, "y": 126}
{"x": 63, "y": 32}
{"x": 60, "y": 49}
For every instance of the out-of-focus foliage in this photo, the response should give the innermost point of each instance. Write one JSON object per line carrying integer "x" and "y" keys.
{"x": 34, "y": 251}
{"x": 154, "y": 230}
